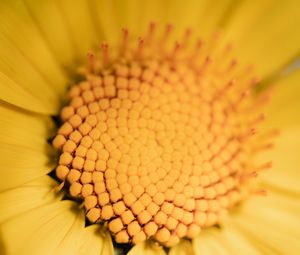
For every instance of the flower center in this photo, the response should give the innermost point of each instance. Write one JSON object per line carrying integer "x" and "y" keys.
{"x": 158, "y": 143}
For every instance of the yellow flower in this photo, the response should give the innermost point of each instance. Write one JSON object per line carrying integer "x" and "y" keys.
{"x": 43, "y": 44}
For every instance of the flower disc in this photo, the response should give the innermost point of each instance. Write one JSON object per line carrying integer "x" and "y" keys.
{"x": 155, "y": 146}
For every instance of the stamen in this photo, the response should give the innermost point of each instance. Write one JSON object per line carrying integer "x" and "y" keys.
{"x": 224, "y": 90}
{"x": 150, "y": 35}
{"x": 166, "y": 35}
{"x": 175, "y": 50}
{"x": 265, "y": 166}
{"x": 140, "y": 48}
{"x": 91, "y": 61}
{"x": 186, "y": 38}
{"x": 105, "y": 55}
{"x": 260, "y": 192}
{"x": 124, "y": 44}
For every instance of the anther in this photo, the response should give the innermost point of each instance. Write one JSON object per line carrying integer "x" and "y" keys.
{"x": 91, "y": 61}
{"x": 223, "y": 91}
{"x": 260, "y": 192}
{"x": 176, "y": 49}
{"x": 248, "y": 176}
{"x": 105, "y": 55}
{"x": 250, "y": 133}
{"x": 140, "y": 48}
{"x": 263, "y": 147}
{"x": 150, "y": 34}
{"x": 261, "y": 118}
{"x": 186, "y": 37}
{"x": 206, "y": 63}
{"x": 265, "y": 166}
{"x": 166, "y": 35}
{"x": 124, "y": 44}
{"x": 233, "y": 63}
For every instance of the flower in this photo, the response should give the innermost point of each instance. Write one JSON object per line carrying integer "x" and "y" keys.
{"x": 43, "y": 44}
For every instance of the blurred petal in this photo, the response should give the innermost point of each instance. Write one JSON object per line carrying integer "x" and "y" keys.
{"x": 183, "y": 248}
{"x": 258, "y": 30}
{"x": 225, "y": 241}
{"x": 283, "y": 108}
{"x": 207, "y": 244}
{"x": 283, "y": 114}
{"x": 107, "y": 245}
{"x": 104, "y": 14}
{"x": 146, "y": 248}
{"x": 285, "y": 173}
{"x": 277, "y": 226}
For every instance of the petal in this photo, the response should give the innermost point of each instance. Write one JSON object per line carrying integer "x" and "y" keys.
{"x": 278, "y": 227}
{"x": 68, "y": 29}
{"x": 41, "y": 230}
{"x": 183, "y": 248}
{"x": 225, "y": 241}
{"x": 21, "y": 199}
{"x": 22, "y": 128}
{"x": 206, "y": 244}
{"x": 20, "y": 164}
{"x": 146, "y": 248}
{"x": 56, "y": 228}
{"x": 25, "y": 153}
{"x": 81, "y": 240}
{"x": 283, "y": 114}
{"x": 284, "y": 106}
{"x": 251, "y": 28}
{"x": 107, "y": 244}
{"x": 285, "y": 173}
{"x": 14, "y": 93}
{"x": 27, "y": 62}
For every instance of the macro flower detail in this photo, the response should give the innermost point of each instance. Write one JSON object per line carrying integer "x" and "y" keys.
{"x": 176, "y": 135}
{"x": 158, "y": 141}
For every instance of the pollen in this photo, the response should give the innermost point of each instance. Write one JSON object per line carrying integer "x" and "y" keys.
{"x": 157, "y": 140}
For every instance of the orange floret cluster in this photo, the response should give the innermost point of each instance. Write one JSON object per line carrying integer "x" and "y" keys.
{"x": 157, "y": 148}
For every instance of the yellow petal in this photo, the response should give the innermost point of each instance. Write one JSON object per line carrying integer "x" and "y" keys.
{"x": 283, "y": 109}
{"x": 70, "y": 24}
{"x": 21, "y": 164}
{"x": 18, "y": 200}
{"x": 183, "y": 248}
{"x": 26, "y": 60}
{"x": 14, "y": 93}
{"x": 82, "y": 240}
{"x": 285, "y": 172}
{"x": 251, "y": 28}
{"x": 95, "y": 242}
{"x": 105, "y": 16}
{"x": 278, "y": 228}
{"x": 41, "y": 230}
{"x": 23, "y": 128}
{"x": 51, "y": 22}
{"x": 146, "y": 248}
{"x": 225, "y": 241}
{"x": 283, "y": 114}
{"x": 107, "y": 244}
{"x": 24, "y": 151}
{"x": 206, "y": 244}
